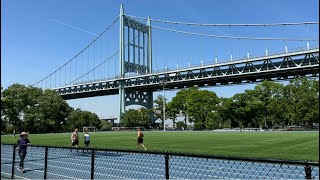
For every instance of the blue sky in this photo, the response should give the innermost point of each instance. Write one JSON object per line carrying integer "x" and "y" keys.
{"x": 34, "y": 43}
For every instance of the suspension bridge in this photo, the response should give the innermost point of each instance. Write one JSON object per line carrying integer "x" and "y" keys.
{"x": 130, "y": 70}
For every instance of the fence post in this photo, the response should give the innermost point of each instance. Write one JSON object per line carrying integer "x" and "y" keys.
{"x": 13, "y": 160}
{"x": 307, "y": 170}
{"x": 166, "y": 158}
{"x": 45, "y": 162}
{"x": 92, "y": 164}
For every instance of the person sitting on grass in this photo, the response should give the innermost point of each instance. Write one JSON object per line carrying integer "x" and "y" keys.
{"x": 140, "y": 139}
{"x": 22, "y": 147}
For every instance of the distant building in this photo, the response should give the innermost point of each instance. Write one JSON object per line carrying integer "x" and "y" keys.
{"x": 111, "y": 120}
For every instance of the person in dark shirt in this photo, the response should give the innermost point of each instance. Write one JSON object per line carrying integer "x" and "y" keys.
{"x": 22, "y": 147}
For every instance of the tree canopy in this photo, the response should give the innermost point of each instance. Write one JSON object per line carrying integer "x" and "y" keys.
{"x": 35, "y": 110}
{"x": 268, "y": 105}
{"x": 136, "y": 118}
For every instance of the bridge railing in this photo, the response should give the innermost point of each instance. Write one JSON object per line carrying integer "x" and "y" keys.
{"x": 48, "y": 162}
{"x": 234, "y": 60}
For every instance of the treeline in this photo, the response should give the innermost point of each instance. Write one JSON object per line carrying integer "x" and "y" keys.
{"x": 35, "y": 110}
{"x": 268, "y": 105}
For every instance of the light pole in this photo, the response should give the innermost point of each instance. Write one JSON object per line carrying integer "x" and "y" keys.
{"x": 164, "y": 107}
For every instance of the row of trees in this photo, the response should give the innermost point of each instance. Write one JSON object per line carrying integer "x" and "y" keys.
{"x": 39, "y": 111}
{"x": 268, "y": 105}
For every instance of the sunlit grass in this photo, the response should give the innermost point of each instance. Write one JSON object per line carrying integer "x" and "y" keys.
{"x": 274, "y": 145}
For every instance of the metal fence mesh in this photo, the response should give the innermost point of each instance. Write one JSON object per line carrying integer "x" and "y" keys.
{"x": 44, "y": 162}
{"x": 200, "y": 168}
{"x": 6, "y": 161}
{"x": 68, "y": 163}
{"x": 33, "y": 162}
{"x": 119, "y": 165}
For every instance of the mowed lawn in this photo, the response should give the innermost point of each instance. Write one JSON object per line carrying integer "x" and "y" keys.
{"x": 272, "y": 145}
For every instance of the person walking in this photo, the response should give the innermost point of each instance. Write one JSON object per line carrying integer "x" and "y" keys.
{"x": 86, "y": 139}
{"x": 140, "y": 136}
{"x": 22, "y": 147}
{"x": 14, "y": 133}
{"x": 75, "y": 138}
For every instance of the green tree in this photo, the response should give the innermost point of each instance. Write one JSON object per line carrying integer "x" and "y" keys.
{"x": 53, "y": 111}
{"x": 17, "y": 101}
{"x": 179, "y": 102}
{"x": 172, "y": 111}
{"x": 134, "y": 118}
{"x": 303, "y": 95}
{"x": 144, "y": 117}
{"x": 199, "y": 104}
{"x": 3, "y": 118}
{"x": 181, "y": 125}
{"x": 106, "y": 126}
{"x": 267, "y": 92}
{"x": 212, "y": 121}
{"x": 79, "y": 119}
{"x": 130, "y": 117}
{"x": 226, "y": 111}
{"x": 249, "y": 109}
{"x": 158, "y": 110}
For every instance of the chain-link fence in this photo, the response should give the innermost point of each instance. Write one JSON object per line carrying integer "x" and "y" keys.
{"x": 45, "y": 162}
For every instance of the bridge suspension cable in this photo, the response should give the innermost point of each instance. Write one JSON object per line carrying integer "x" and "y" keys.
{"x": 104, "y": 61}
{"x": 95, "y": 67}
{"x": 201, "y": 24}
{"x": 232, "y": 37}
{"x": 64, "y": 65}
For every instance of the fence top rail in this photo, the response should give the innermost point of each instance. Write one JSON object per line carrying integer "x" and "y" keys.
{"x": 168, "y": 153}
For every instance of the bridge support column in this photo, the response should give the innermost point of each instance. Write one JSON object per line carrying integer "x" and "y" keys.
{"x": 128, "y": 63}
{"x": 140, "y": 97}
{"x": 121, "y": 58}
{"x": 122, "y": 101}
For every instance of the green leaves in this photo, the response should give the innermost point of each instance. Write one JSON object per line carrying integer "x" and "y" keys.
{"x": 200, "y": 103}
{"x": 159, "y": 107}
{"x": 136, "y": 118}
{"x": 33, "y": 110}
{"x": 269, "y": 104}
{"x": 79, "y": 119}
{"x": 106, "y": 126}
{"x": 17, "y": 99}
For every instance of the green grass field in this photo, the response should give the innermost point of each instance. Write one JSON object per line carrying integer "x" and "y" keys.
{"x": 275, "y": 145}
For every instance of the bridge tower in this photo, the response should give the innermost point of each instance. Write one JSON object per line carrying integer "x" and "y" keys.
{"x": 135, "y": 57}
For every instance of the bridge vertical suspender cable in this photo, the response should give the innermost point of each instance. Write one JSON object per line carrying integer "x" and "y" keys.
{"x": 94, "y": 60}
{"x": 99, "y": 65}
{"x": 88, "y": 62}
{"x": 101, "y": 72}
{"x": 69, "y": 62}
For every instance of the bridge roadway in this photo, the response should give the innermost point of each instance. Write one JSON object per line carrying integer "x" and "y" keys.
{"x": 272, "y": 67}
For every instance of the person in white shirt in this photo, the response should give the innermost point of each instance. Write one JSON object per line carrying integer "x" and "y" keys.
{"x": 86, "y": 139}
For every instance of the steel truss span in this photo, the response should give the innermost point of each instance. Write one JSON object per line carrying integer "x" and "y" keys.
{"x": 274, "y": 67}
